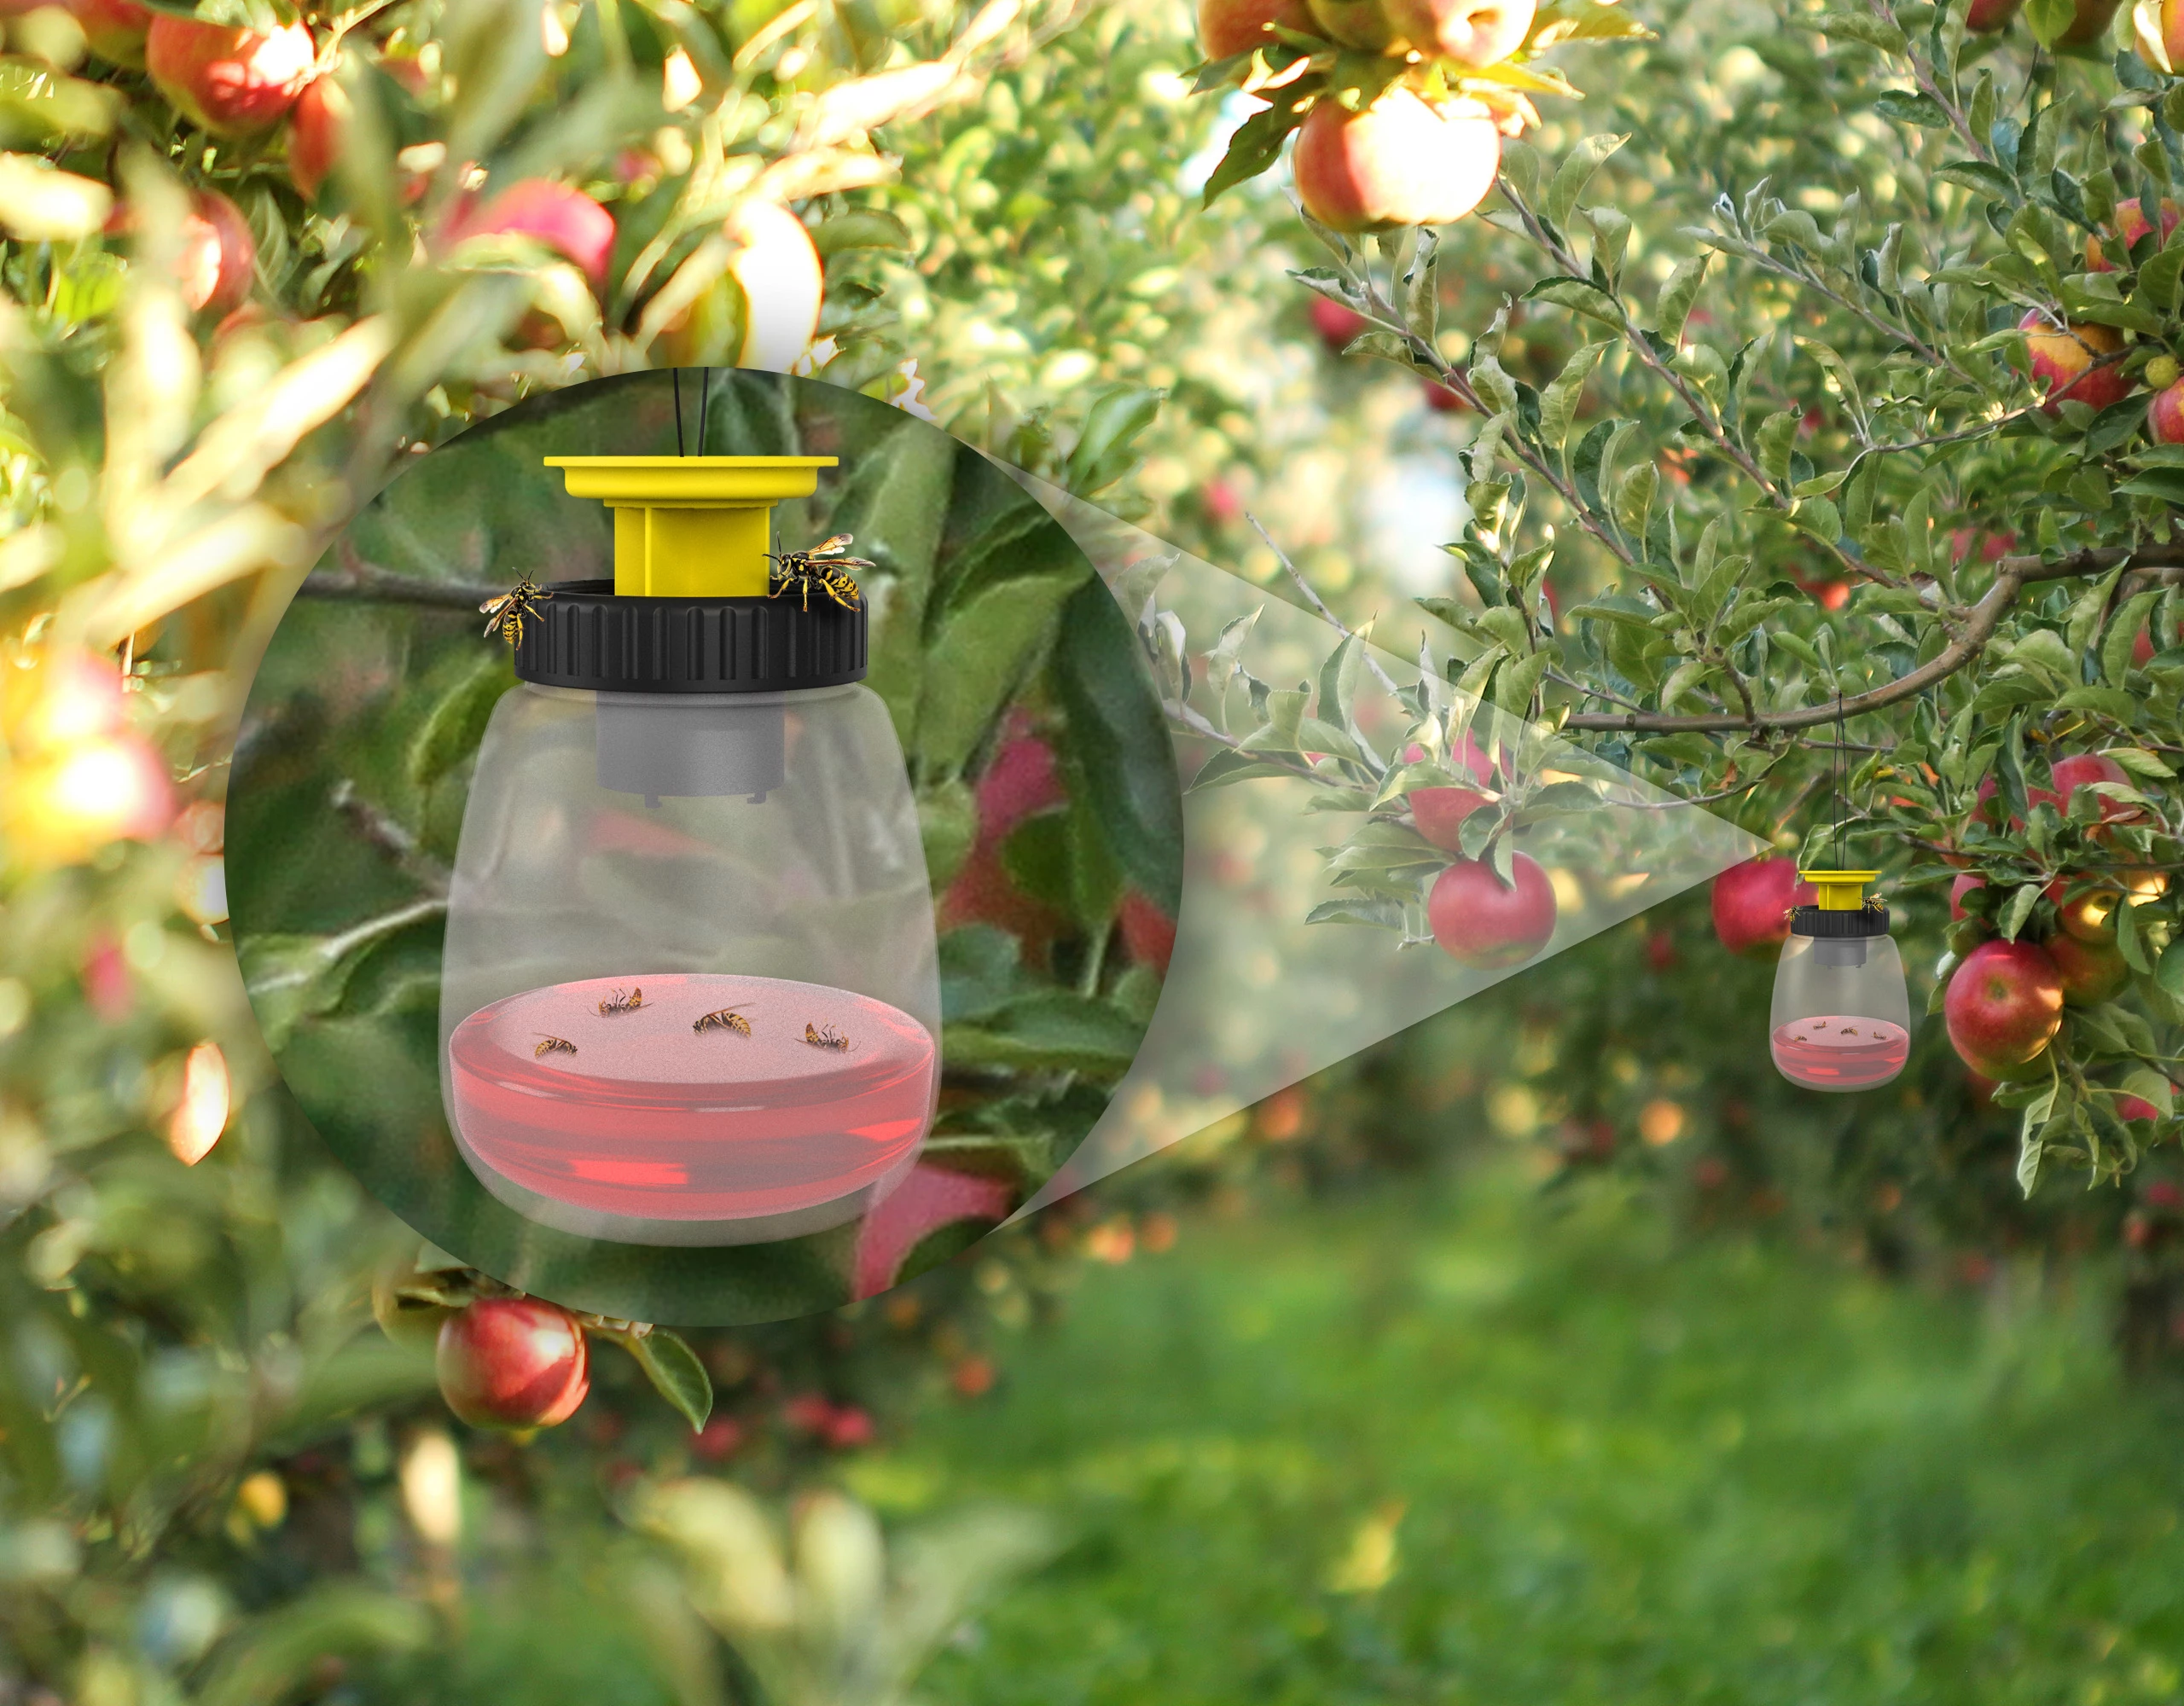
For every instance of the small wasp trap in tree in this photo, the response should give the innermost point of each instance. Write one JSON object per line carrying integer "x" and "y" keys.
{"x": 690, "y": 991}
{"x": 1841, "y": 1018}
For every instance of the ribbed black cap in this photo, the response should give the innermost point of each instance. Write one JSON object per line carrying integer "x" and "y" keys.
{"x": 1869, "y": 920}
{"x": 586, "y": 637}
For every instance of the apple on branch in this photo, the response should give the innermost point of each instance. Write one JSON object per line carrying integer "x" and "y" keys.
{"x": 2064, "y": 362}
{"x": 1399, "y": 162}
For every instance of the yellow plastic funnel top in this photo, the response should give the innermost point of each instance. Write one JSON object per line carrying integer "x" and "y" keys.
{"x": 691, "y": 526}
{"x": 1840, "y": 890}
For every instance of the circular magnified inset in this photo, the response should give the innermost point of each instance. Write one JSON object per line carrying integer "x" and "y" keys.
{"x": 670, "y": 881}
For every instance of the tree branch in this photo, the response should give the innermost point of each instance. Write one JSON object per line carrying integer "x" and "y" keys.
{"x": 361, "y": 582}
{"x": 2011, "y": 575}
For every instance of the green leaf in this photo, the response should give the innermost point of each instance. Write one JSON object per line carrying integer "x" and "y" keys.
{"x": 2122, "y": 635}
{"x": 1863, "y": 27}
{"x": 861, "y": 228}
{"x": 1046, "y": 1031}
{"x": 1677, "y": 296}
{"x": 675, "y": 1372}
{"x": 983, "y": 652}
{"x": 1256, "y": 146}
{"x": 1119, "y": 742}
{"x": 1908, "y": 107}
{"x": 2048, "y": 19}
{"x": 1558, "y": 404}
{"x": 1103, "y": 451}
{"x": 2018, "y": 908}
{"x": 1978, "y": 175}
{"x": 457, "y": 723}
{"x": 1580, "y": 297}
{"x": 1576, "y": 171}
{"x": 2170, "y": 976}
{"x": 2130, "y": 940}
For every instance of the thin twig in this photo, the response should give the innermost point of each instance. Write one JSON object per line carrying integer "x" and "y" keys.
{"x": 1317, "y": 602}
{"x": 383, "y": 832}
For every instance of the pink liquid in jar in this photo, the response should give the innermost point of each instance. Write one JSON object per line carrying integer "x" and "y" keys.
{"x": 1840, "y": 1051}
{"x": 650, "y": 1117}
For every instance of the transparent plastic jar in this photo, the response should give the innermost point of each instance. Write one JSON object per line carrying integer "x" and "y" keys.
{"x": 690, "y": 991}
{"x": 1841, "y": 1019}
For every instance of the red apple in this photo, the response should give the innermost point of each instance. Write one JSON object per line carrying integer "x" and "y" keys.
{"x": 1834, "y": 591}
{"x": 2130, "y": 224}
{"x": 564, "y": 219}
{"x": 2091, "y": 23}
{"x": 2136, "y": 1108}
{"x": 1148, "y": 932}
{"x": 219, "y": 257}
{"x": 114, "y": 29}
{"x": 1022, "y": 780}
{"x": 2092, "y": 972}
{"x": 1472, "y": 32}
{"x": 1985, "y": 15}
{"x": 2083, "y": 769}
{"x": 1439, "y": 814}
{"x": 1234, "y": 27}
{"x": 231, "y": 82}
{"x": 929, "y": 1199}
{"x": 1441, "y": 399}
{"x": 2063, "y": 361}
{"x": 1399, "y": 162}
{"x": 2165, "y": 415}
{"x": 1480, "y": 921}
{"x": 1959, "y": 889}
{"x": 1474, "y": 758}
{"x": 2003, "y": 1006}
{"x": 1752, "y": 906}
{"x": 513, "y": 1362}
{"x": 1338, "y": 326}
{"x": 1993, "y": 547}
{"x": 316, "y": 128}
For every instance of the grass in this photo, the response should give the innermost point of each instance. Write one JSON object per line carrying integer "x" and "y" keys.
{"x": 1482, "y": 1450}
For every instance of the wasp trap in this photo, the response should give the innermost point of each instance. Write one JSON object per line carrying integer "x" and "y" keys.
{"x": 690, "y": 991}
{"x": 1841, "y": 1018}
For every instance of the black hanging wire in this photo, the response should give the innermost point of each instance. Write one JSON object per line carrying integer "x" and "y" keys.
{"x": 675, "y": 374}
{"x": 1842, "y": 780}
{"x": 705, "y": 403}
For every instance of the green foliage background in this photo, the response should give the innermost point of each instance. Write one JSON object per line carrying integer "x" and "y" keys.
{"x": 213, "y": 1481}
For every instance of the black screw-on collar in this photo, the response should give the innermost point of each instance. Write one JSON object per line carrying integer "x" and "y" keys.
{"x": 586, "y": 636}
{"x": 1829, "y": 924}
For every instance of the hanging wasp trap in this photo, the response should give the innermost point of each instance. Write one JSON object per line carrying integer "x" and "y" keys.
{"x": 1841, "y": 1018}
{"x": 690, "y": 991}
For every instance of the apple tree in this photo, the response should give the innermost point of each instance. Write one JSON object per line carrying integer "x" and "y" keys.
{"x": 1860, "y": 437}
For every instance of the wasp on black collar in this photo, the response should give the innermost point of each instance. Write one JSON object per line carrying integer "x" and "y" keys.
{"x": 821, "y": 566}
{"x": 506, "y": 612}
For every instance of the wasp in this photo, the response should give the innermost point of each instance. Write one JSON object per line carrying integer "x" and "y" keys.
{"x": 552, "y": 1045}
{"x": 506, "y": 612}
{"x": 824, "y": 1036}
{"x": 619, "y": 1003}
{"x": 726, "y": 1020}
{"x": 801, "y": 570}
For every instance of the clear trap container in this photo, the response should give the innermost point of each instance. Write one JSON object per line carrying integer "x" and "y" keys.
{"x": 689, "y": 994}
{"x": 1841, "y": 1019}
